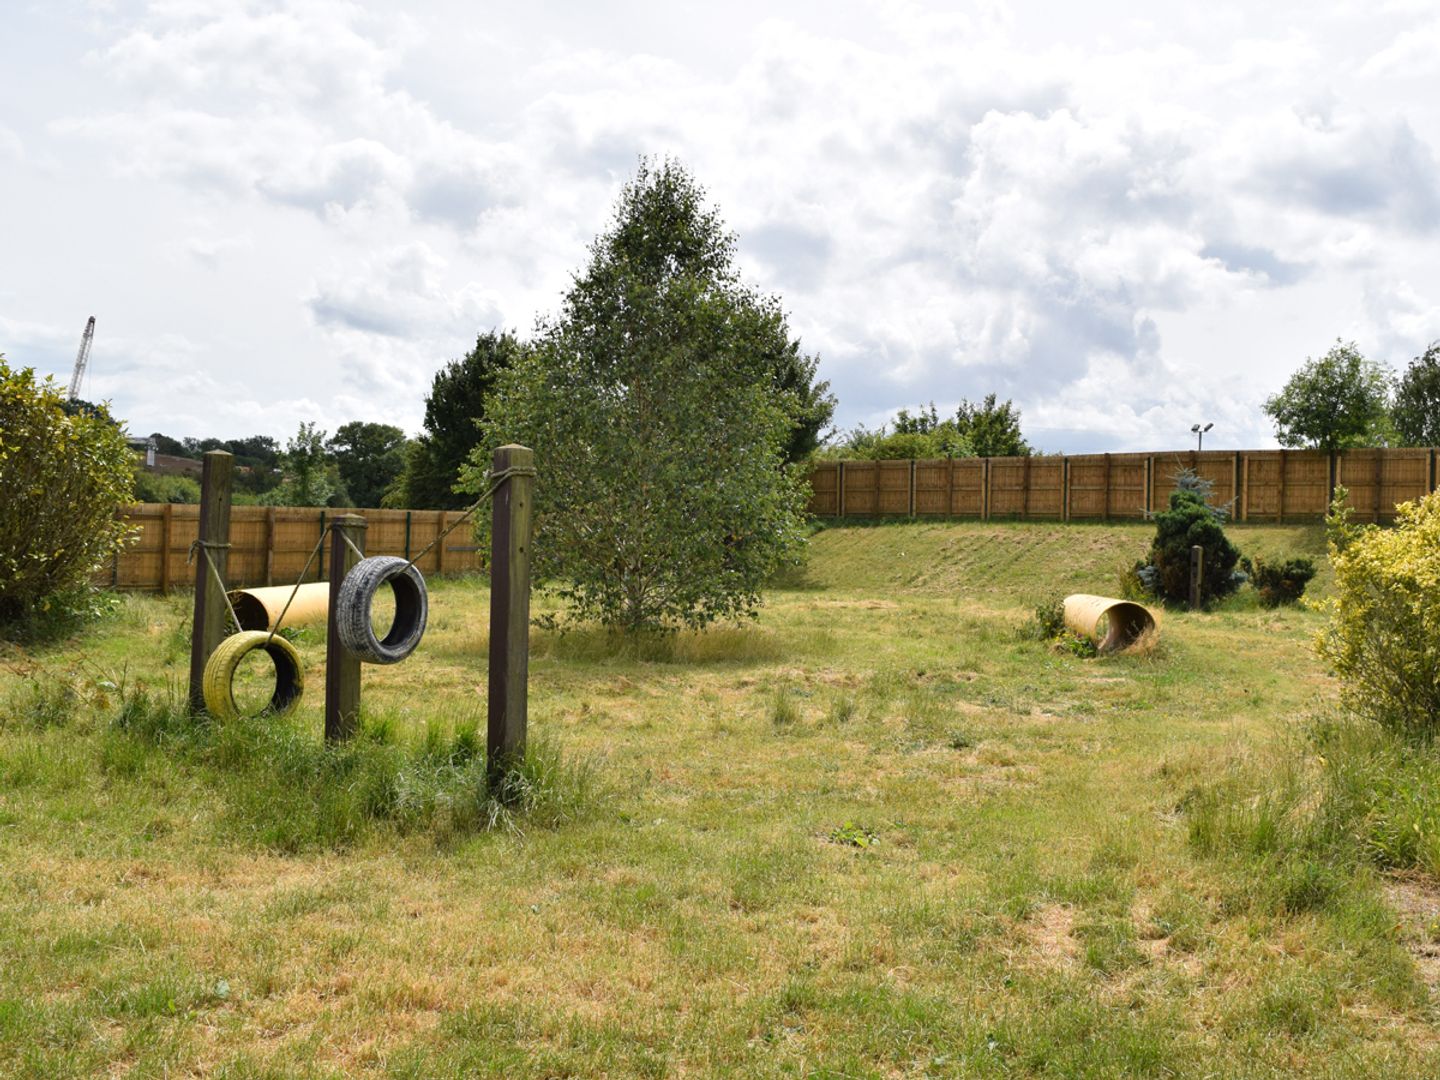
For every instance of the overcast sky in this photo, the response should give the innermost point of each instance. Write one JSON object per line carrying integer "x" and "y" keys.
{"x": 291, "y": 211}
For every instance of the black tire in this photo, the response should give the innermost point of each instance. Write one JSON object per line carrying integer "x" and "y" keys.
{"x": 352, "y": 610}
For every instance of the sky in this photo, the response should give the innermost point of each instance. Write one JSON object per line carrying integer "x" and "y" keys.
{"x": 1126, "y": 218}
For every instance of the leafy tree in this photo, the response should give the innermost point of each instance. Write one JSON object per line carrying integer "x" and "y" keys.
{"x": 663, "y": 496}
{"x": 455, "y": 403}
{"x": 62, "y": 477}
{"x": 369, "y": 457}
{"x": 1334, "y": 403}
{"x": 811, "y": 404}
{"x": 153, "y": 487}
{"x": 1190, "y": 520}
{"x": 164, "y": 444}
{"x": 311, "y": 478}
{"x": 1417, "y": 400}
{"x": 993, "y": 430}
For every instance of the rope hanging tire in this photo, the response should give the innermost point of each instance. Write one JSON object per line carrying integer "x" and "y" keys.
{"x": 357, "y": 594}
{"x": 219, "y": 684}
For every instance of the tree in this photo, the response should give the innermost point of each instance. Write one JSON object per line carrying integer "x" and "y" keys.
{"x": 311, "y": 478}
{"x": 62, "y": 478}
{"x": 369, "y": 458}
{"x": 1190, "y": 521}
{"x": 1334, "y": 403}
{"x": 811, "y": 404}
{"x": 1417, "y": 400}
{"x": 454, "y": 405}
{"x": 993, "y": 430}
{"x": 663, "y": 496}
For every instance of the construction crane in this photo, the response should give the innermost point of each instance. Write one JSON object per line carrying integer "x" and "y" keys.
{"x": 81, "y": 359}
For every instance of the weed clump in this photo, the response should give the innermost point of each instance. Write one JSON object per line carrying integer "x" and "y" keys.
{"x": 288, "y": 791}
{"x": 1279, "y": 583}
{"x": 1048, "y": 625}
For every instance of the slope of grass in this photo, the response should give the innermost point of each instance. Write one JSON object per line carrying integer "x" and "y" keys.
{"x": 878, "y": 833}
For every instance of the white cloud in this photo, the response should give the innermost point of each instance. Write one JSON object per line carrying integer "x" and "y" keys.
{"x": 1000, "y": 198}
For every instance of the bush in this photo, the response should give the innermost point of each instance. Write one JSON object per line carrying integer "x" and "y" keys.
{"x": 1190, "y": 521}
{"x": 1383, "y": 637}
{"x": 63, "y": 478}
{"x": 1279, "y": 583}
{"x": 158, "y": 488}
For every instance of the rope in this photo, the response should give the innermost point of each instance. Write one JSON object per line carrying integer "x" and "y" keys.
{"x": 496, "y": 479}
{"x": 204, "y": 547}
{"x": 298, "y": 582}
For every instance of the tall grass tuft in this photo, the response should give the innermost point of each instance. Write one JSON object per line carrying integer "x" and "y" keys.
{"x": 284, "y": 789}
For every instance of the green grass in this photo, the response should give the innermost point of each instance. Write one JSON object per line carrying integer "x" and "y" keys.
{"x": 881, "y": 832}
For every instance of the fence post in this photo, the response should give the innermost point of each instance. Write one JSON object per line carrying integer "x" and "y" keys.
{"x": 1197, "y": 575}
{"x": 511, "y": 521}
{"x": 1025, "y": 489}
{"x": 320, "y": 560}
{"x": 1064, "y": 489}
{"x": 840, "y": 490}
{"x": 912, "y": 487}
{"x": 1280, "y": 515}
{"x": 985, "y": 489}
{"x": 207, "y": 626}
{"x": 1106, "y": 515}
{"x": 342, "y": 671}
{"x": 167, "y": 516}
{"x": 407, "y": 535}
{"x": 270, "y": 545}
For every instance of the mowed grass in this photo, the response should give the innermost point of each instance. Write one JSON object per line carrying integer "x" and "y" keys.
{"x": 877, "y": 833}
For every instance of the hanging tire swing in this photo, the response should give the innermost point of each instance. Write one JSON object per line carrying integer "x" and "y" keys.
{"x": 357, "y": 594}
{"x": 219, "y": 682}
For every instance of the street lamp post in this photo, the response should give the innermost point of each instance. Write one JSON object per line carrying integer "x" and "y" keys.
{"x": 1200, "y": 435}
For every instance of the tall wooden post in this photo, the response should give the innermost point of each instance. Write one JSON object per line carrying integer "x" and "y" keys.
{"x": 342, "y": 671}
{"x": 207, "y": 627}
{"x": 511, "y": 522}
{"x": 1197, "y": 575}
{"x": 270, "y": 545}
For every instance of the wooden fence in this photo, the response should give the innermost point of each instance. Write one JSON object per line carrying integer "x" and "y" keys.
{"x": 269, "y": 544}
{"x": 1265, "y": 485}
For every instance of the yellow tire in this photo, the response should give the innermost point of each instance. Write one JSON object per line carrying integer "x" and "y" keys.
{"x": 219, "y": 685}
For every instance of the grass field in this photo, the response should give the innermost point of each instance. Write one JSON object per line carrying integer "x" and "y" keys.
{"x": 879, "y": 833}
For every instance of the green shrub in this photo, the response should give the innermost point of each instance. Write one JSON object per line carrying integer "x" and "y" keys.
{"x": 153, "y": 487}
{"x": 63, "y": 477}
{"x": 1189, "y": 522}
{"x": 1383, "y": 636}
{"x": 1279, "y": 583}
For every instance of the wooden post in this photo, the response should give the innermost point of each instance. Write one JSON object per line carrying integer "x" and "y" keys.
{"x": 1064, "y": 489}
{"x": 207, "y": 626}
{"x": 511, "y": 521}
{"x": 167, "y": 518}
{"x": 342, "y": 671}
{"x": 1025, "y": 489}
{"x": 1235, "y": 486}
{"x": 985, "y": 489}
{"x": 320, "y": 560}
{"x": 270, "y": 545}
{"x": 1106, "y": 514}
{"x": 912, "y": 487}
{"x": 840, "y": 490}
{"x": 1245, "y": 487}
{"x": 950, "y": 491}
{"x": 407, "y": 535}
{"x": 1280, "y": 515}
{"x": 1197, "y": 575}
{"x": 1149, "y": 485}
{"x": 1379, "y": 477}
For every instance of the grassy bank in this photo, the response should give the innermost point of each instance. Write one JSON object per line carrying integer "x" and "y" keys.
{"x": 878, "y": 833}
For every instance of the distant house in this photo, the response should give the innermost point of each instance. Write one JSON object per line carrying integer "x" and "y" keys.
{"x": 164, "y": 464}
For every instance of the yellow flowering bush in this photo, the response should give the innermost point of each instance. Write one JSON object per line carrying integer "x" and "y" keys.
{"x": 1383, "y": 637}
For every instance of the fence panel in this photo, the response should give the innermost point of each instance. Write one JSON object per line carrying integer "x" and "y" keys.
{"x": 270, "y": 545}
{"x": 1260, "y": 485}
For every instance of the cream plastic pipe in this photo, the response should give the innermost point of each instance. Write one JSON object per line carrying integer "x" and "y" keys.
{"x": 1125, "y": 622}
{"x": 257, "y": 609}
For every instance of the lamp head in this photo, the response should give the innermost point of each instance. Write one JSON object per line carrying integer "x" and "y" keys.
{"x": 1195, "y": 427}
{"x": 1207, "y": 427}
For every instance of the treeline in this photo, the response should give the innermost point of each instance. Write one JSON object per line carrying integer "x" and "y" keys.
{"x": 986, "y": 429}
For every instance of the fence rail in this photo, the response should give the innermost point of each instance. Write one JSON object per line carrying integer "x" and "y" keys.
{"x": 1264, "y": 485}
{"x": 269, "y": 544}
